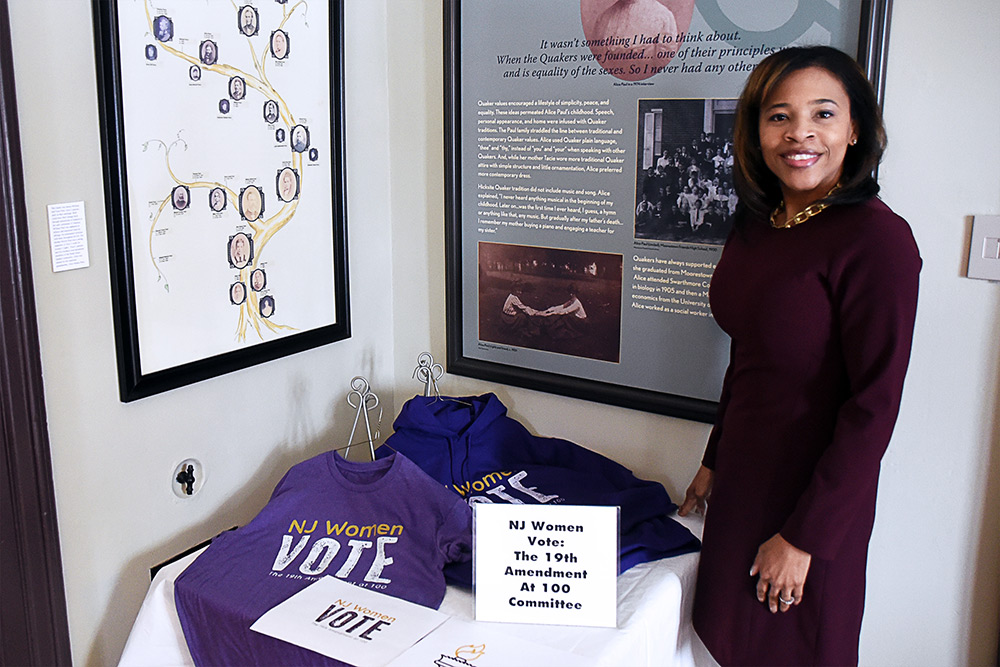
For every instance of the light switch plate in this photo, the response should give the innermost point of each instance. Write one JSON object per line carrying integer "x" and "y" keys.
{"x": 984, "y": 248}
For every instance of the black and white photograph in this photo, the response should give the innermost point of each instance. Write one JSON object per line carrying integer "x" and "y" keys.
{"x": 279, "y": 44}
{"x": 249, "y": 20}
{"x": 267, "y": 306}
{"x": 251, "y": 203}
{"x": 258, "y": 280}
{"x": 180, "y": 197}
{"x": 217, "y": 199}
{"x": 270, "y": 111}
{"x": 163, "y": 28}
{"x": 684, "y": 172}
{"x": 240, "y": 251}
{"x": 299, "y": 138}
{"x": 287, "y": 184}
{"x": 208, "y": 52}
{"x": 237, "y": 88}
{"x": 551, "y": 299}
{"x": 237, "y": 293}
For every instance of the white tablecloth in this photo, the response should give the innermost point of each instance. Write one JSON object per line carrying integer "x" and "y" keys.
{"x": 654, "y": 619}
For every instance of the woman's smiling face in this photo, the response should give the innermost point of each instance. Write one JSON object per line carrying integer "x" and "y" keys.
{"x": 805, "y": 128}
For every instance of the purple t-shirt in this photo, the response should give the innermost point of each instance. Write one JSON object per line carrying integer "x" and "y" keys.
{"x": 383, "y": 525}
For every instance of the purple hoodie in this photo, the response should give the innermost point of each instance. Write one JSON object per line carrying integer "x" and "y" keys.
{"x": 470, "y": 445}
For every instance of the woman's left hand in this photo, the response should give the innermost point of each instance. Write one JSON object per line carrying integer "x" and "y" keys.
{"x": 783, "y": 569}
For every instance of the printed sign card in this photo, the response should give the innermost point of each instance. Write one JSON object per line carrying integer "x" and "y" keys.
{"x": 545, "y": 564}
{"x": 349, "y": 623}
{"x": 68, "y": 236}
{"x": 460, "y": 643}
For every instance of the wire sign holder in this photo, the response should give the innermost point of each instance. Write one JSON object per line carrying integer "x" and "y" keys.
{"x": 364, "y": 400}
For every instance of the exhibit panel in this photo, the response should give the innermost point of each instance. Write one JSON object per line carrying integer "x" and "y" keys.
{"x": 589, "y": 185}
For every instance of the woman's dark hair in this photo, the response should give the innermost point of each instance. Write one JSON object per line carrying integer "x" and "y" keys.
{"x": 758, "y": 188}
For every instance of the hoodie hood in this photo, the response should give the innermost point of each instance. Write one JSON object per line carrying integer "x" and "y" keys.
{"x": 440, "y": 432}
{"x": 449, "y": 417}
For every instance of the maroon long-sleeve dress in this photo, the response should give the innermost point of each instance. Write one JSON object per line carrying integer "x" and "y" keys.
{"x": 821, "y": 319}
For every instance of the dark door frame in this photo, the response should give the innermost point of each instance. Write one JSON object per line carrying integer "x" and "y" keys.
{"x": 33, "y": 621}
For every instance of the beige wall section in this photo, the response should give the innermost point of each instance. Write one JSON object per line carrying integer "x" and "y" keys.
{"x": 113, "y": 462}
{"x": 934, "y": 582}
{"x": 935, "y": 554}
{"x": 934, "y": 587}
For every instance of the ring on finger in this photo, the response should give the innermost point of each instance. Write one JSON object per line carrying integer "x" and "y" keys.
{"x": 782, "y": 600}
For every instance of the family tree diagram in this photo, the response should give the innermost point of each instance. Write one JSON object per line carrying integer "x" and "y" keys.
{"x": 230, "y": 124}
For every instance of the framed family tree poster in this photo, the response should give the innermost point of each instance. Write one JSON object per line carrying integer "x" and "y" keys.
{"x": 589, "y": 184}
{"x": 222, "y": 131}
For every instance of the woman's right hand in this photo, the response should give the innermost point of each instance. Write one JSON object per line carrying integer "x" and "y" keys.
{"x": 696, "y": 497}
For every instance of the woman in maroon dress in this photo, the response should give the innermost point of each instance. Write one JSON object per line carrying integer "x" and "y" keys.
{"x": 817, "y": 288}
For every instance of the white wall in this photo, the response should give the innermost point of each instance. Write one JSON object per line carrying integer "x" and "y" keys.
{"x": 935, "y": 554}
{"x": 934, "y": 573}
{"x": 113, "y": 462}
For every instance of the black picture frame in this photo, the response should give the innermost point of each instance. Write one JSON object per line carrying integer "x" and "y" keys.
{"x": 872, "y": 44}
{"x": 134, "y": 383}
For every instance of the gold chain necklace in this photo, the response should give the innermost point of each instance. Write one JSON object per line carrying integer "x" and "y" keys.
{"x": 803, "y": 215}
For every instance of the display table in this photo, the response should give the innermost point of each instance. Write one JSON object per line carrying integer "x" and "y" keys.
{"x": 654, "y": 618}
